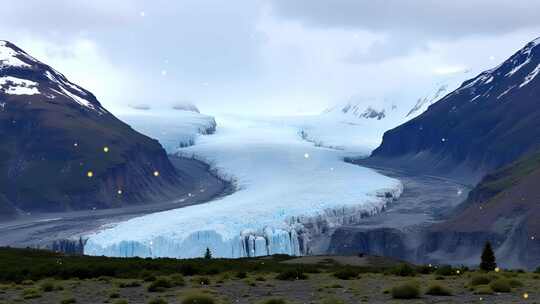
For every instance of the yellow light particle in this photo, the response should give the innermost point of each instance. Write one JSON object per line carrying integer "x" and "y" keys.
{"x": 458, "y": 272}
{"x": 90, "y": 174}
{"x": 156, "y": 173}
{"x": 497, "y": 269}
{"x": 105, "y": 149}
{"x": 525, "y": 295}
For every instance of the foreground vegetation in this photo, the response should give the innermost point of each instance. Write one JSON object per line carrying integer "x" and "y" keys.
{"x": 33, "y": 276}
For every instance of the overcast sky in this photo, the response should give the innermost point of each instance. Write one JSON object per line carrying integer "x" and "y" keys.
{"x": 265, "y": 56}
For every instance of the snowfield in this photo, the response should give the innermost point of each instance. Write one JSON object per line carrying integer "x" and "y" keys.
{"x": 174, "y": 129}
{"x": 288, "y": 191}
{"x": 358, "y": 125}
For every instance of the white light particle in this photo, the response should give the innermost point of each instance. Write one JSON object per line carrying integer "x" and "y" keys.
{"x": 492, "y": 57}
{"x": 306, "y": 155}
{"x": 142, "y": 14}
{"x": 163, "y": 72}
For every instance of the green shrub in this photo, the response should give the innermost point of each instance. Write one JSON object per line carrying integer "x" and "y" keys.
{"x": 177, "y": 280}
{"x": 446, "y": 270}
{"x": 201, "y": 280}
{"x": 31, "y": 293}
{"x": 480, "y": 279}
{"x": 160, "y": 284}
{"x": 403, "y": 270}
{"x": 515, "y": 283}
{"x": 158, "y": 301}
{"x": 424, "y": 269}
{"x": 128, "y": 284}
{"x": 198, "y": 299}
{"x": 407, "y": 290}
{"x": 120, "y": 301}
{"x": 260, "y": 279}
{"x": 47, "y": 286}
{"x": 332, "y": 300}
{"x": 148, "y": 276}
{"x": 273, "y": 301}
{"x": 483, "y": 290}
{"x": 291, "y": 275}
{"x": 437, "y": 289}
{"x": 114, "y": 294}
{"x": 501, "y": 285}
{"x": 69, "y": 300}
{"x": 241, "y": 274}
{"x": 346, "y": 274}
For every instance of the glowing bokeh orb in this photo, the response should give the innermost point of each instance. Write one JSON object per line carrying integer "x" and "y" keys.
{"x": 156, "y": 173}
{"x": 105, "y": 149}
{"x": 90, "y": 174}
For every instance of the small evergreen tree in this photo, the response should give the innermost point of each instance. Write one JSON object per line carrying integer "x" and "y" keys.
{"x": 208, "y": 254}
{"x": 487, "y": 262}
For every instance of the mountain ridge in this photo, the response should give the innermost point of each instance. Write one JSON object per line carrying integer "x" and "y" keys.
{"x": 488, "y": 122}
{"x": 62, "y": 150}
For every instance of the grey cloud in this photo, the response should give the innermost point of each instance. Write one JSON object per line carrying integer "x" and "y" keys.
{"x": 143, "y": 107}
{"x": 60, "y": 18}
{"x": 394, "y": 46}
{"x": 429, "y": 17}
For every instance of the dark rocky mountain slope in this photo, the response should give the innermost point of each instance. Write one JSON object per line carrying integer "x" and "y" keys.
{"x": 503, "y": 209}
{"x": 485, "y": 133}
{"x": 490, "y": 121}
{"x": 61, "y": 150}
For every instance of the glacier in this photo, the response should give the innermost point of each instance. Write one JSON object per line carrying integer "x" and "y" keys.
{"x": 289, "y": 191}
{"x": 175, "y": 128}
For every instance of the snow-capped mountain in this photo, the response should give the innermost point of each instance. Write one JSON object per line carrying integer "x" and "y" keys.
{"x": 61, "y": 149}
{"x": 21, "y": 74}
{"x": 358, "y": 125}
{"x": 489, "y": 121}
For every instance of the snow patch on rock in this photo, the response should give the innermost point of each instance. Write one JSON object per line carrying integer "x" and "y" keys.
{"x": 17, "y": 86}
